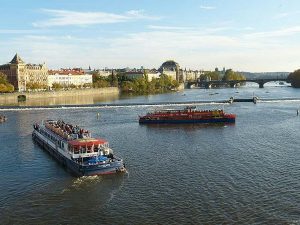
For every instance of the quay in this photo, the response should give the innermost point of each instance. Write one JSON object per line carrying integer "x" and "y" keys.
{"x": 25, "y": 96}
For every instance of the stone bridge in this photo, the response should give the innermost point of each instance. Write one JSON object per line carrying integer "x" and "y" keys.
{"x": 232, "y": 83}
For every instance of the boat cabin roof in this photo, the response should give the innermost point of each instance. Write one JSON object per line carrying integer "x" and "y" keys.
{"x": 177, "y": 110}
{"x": 87, "y": 142}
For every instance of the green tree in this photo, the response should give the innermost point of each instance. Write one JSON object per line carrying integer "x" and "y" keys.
{"x": 211, "y": 75}
{"x": 294, "y": 78}
{"x": 5, "y": 86}
{"x": 143, "y": 86}
{"x": 35, "y": 86}
{"x": 3, "y": 78}
{"x": 101, "y": 84}
{"x": 114, "y": 79}
{"x": 10, "y": 87}
{"x": 127, "y": 86}
{"x": 73, "y": 86}
{"x": 87, "y": 85}
{"x": 101, "y": 81}
{"x": 57, "y": 86}
{"x": 231, "y": 75}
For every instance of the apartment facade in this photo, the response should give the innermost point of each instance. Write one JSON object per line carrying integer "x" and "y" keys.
{"x": 67, "y": 77}
{"x": 20, "y": 74}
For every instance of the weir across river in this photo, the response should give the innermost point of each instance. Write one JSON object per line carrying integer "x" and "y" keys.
{"x": 231, "y": 100}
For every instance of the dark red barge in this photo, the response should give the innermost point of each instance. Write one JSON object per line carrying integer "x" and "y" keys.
{"x": 187, "y": 115}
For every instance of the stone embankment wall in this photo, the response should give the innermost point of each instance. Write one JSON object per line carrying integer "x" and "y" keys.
{"x": 9, "y": 97}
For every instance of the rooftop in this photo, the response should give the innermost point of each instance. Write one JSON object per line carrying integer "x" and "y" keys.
{"x": 17, "y": 59}
{"x": 75, "y": 71}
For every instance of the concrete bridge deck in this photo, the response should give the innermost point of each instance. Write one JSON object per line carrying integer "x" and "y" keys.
{"x": 233, "y": 83}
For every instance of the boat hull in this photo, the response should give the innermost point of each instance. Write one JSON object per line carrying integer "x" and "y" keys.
{"x": 78, "y": 169}
{"x": 180, "y": 121}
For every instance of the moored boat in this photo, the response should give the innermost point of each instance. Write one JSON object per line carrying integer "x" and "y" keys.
{"x": 75, "y": 148}
{"x": 187, "y": 115}
{"x": 2, "y": 118}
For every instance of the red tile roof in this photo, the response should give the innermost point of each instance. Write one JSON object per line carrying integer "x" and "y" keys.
{"x": 67, "y": 72}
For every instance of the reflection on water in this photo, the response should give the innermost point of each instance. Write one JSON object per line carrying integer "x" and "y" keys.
{"x": 187, "y": 127}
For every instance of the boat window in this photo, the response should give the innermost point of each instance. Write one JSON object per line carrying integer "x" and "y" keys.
{"x": 76, "y": 150}
{"x": 89, "y": 149}
{"x": 82, "y": 149}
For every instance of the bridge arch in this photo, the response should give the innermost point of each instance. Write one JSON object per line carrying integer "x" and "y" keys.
{"x": 232, "y": 83}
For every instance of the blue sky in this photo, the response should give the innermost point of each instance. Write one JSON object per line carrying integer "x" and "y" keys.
{"x": 256, "y": 35}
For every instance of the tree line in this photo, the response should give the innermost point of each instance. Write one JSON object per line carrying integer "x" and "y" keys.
{"x": 139, "y": 85}
{"x": 227, "y": 76}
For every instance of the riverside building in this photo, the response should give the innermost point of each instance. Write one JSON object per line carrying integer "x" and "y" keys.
{"x": 173, "y": 70}
{"x": 20, "y": 74}
{"x": 67, "y": 77}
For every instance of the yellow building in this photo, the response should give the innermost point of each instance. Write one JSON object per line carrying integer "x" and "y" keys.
{"x": 19, "y": 74}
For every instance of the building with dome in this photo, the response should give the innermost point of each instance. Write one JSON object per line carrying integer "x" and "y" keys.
{"x": 19, "y": 73}
{"x": 172, "y": 69}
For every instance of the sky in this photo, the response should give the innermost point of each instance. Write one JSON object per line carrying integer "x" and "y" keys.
{"x": 254, "y": 36}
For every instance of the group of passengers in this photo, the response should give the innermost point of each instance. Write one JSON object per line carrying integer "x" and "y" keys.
{"x": 70, "y": 129}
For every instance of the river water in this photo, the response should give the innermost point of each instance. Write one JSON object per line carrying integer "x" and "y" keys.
{"x": 247, "y": 173}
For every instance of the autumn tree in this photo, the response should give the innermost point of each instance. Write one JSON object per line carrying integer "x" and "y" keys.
{"x": 232, "y": 75}
{"x": 5, "y": 86}
{"x": 294, "y": 78}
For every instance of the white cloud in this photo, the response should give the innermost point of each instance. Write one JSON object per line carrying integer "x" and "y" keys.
{"x": 281, "y": 15}
{"x": 285, "y": 14}
{"x": 155, "y": 27}
{"x": 205, "y": 7}
{"x": 276, "y": 33}
{"x": 204, "y": 30}
{"x": 248, "y": 28}
{"x": 12, "y": 31}
{"x": 195, "y": 49}
{"x": 74, "y": 18}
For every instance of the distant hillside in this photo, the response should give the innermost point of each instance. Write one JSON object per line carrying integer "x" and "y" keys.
{"x": 274, "y": 75}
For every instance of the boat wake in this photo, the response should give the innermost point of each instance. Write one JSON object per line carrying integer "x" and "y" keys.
{"x": 285, "y": 100}
{"x": 82, "y": 182}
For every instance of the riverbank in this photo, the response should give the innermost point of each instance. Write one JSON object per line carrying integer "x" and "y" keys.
{"x": 64, "y": 97}
{"x": 12, "y": 98}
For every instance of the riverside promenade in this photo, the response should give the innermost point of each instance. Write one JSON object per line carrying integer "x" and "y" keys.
{"x": 8, "y": 98}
